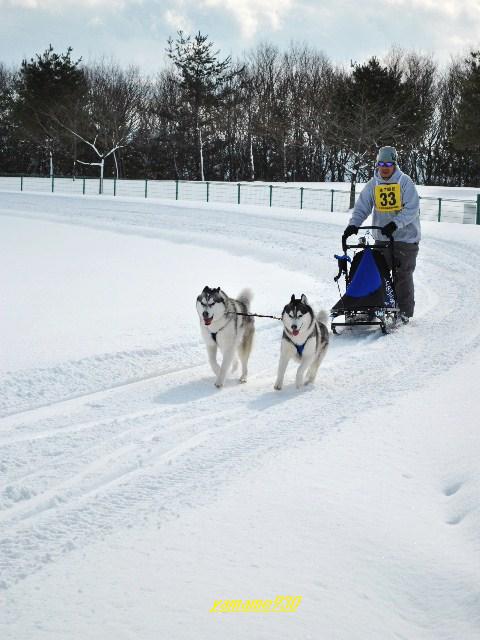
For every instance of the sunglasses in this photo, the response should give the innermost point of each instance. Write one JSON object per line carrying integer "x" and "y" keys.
{"x": 385, "y": 164}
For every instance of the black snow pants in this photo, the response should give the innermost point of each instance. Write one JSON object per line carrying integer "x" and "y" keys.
{"x": 405, "y": 257}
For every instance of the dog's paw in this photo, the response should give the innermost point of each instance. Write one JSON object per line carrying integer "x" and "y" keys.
{"x": 243, "y": 379}
{"x": 218, "y": 384}
{"x": 277, "y": 387}
{"x": 300, "y": 381}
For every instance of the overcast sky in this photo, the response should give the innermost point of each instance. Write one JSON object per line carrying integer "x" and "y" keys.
{"x": 136, "y": 31}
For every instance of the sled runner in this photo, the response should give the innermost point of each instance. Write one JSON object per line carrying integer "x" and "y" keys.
{"x": 369, "y": 299}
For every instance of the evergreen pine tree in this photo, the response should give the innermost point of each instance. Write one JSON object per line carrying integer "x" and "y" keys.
{"x": 467, "y": 129}
{"x": 50, "y": 88}
{"x": 204, "y": 82}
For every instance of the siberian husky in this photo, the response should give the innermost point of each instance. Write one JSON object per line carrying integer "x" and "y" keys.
{"x": 305, "y": 338}
{"x": 222, "y": 327}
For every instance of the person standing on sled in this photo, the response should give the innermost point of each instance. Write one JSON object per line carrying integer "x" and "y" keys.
{"x": 393, "y": 198}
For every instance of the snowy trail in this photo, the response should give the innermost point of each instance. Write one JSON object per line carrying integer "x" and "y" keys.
{"x": 154, "y": 439}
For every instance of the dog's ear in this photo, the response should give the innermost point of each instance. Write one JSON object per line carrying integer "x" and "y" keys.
{"x": 292, "y": 299}
{"x": 205, "y": 289}
{"x": 303, "y": 299}
{"x": 217, "y": 289}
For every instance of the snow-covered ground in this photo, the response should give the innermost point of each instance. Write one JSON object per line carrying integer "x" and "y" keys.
{"x": 133, "y": 493}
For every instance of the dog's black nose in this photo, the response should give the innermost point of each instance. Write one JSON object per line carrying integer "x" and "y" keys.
{"x": 294, "y": 327}
{"x": 205, "y": 314}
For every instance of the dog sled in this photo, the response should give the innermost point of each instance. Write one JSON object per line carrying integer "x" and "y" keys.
{"x": 369, "y": 298}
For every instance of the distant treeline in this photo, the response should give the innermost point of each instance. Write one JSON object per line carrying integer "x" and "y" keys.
{"x": 274, "y": 115}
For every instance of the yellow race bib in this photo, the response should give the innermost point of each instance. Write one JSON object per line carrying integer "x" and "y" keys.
{"x": 388, "y": 198}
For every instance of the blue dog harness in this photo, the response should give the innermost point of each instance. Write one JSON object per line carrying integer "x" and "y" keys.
{"x": 301, "y": 347}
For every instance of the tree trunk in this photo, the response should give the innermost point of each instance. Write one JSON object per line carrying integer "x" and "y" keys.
{"x": 177, "y": 176}
{"x": 200, "y": 148}
{"x": 116, "y": 164}
{"x": 101, "y": 174}
{"x": 74, "y": 157}
{"x": 252, "y": 163}
{"x": 353, "y": 182}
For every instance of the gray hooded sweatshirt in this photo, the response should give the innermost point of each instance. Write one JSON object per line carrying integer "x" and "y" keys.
{"x": 407, "y": 219}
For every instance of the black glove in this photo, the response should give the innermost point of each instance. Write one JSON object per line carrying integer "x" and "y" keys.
{"x": 350, "y": 231}
{"x": 389, "y": 229}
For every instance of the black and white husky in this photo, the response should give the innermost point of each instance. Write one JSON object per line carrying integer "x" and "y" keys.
{"x": 222, "y": 327}
{"x": 305, "y": 338}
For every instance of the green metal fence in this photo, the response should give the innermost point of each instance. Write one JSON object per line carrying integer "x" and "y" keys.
{"x": 259, "y": 194}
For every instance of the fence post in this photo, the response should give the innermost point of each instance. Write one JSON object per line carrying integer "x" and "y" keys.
{"x": 439, "y": 209}
{"x": 301, "y": 197}
{"x": 21, "y": 185}
{"x": 271, "y": 193}
{"x": 238, "y": 195}
{"x": 53, "y": 183}
{"x": 114, "y": 186}
{"x": 478, "y": 208}
{"x": 208, "y": 190}
{"x": 176, "y": 189}
{"x": 83, "y": 186}
{"x": 146, "y": 187}
{"x": 331, "y": 201}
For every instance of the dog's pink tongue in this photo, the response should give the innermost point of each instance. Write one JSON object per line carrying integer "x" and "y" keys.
{"x": 295, "y": 332}
{"x": 208, "y": 321}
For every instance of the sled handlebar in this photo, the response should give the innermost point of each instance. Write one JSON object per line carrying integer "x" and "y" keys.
{"x": 346, "y": 246}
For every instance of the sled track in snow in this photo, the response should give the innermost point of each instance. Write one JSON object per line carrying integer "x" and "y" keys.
{"x": 78, "y": 468}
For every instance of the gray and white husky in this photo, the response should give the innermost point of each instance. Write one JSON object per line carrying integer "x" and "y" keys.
{"x": 305, "y": 339}
{"x": 222, "y": 327}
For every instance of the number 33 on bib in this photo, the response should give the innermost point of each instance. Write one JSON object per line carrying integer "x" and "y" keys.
{"x": 388, "y": 198}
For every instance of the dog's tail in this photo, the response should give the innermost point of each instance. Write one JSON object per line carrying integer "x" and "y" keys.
{"x": 245, "y": 296}
{"x": 322, "y": 316}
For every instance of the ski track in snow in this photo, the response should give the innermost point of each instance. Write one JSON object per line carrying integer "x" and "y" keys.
{"x": 91, "y": 446}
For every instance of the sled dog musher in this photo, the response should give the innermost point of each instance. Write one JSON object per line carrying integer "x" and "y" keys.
{"x": 392, "y": 198}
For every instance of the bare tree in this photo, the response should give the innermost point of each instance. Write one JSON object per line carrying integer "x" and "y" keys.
{"x": 116, "y": 101}
{"x": 172, "y": 127}
{"x": 6, "y": 122}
